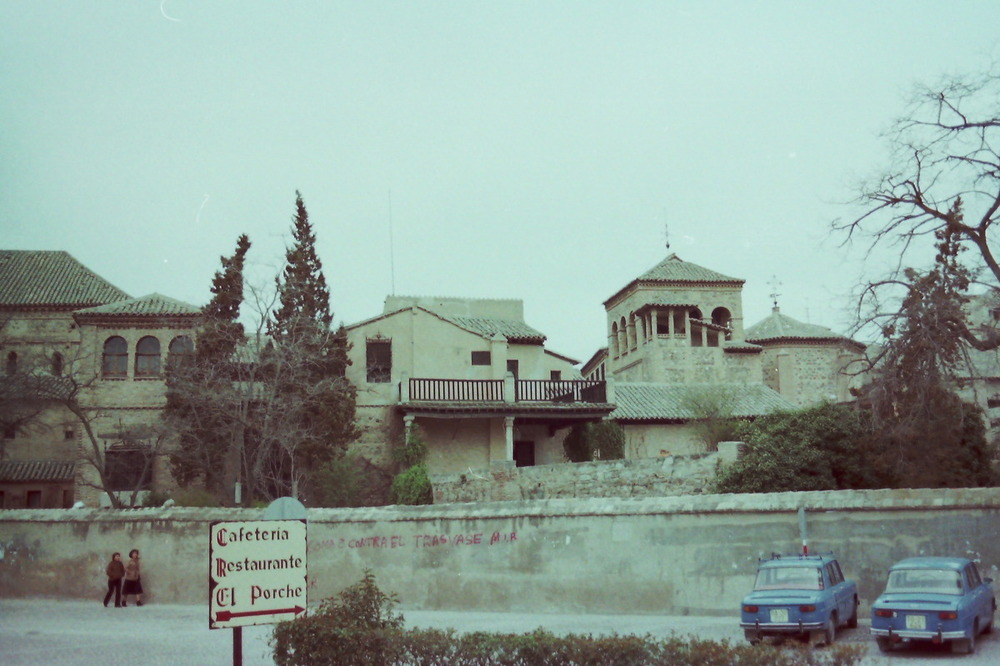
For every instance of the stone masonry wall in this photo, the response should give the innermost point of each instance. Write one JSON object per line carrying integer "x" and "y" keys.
{"x": 666, "y": 555}
{"x": 645, "y": 477}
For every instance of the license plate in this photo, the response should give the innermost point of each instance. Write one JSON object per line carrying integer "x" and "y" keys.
{"x": 779, "y": 615}
{"x": 916, "y": 622}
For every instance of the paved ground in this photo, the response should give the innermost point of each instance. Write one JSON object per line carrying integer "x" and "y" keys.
{"x": 82, "y": 633}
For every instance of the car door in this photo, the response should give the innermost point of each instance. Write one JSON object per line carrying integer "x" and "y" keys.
{"x": 838, "y": 588}
{"x": 979, "y": 594}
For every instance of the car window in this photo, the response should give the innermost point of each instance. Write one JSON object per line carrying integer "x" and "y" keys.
{"x": 937, "y": 581}
{"x": 975, "y": 575}
{"x": 836, "y": 575}
{"x": 789, "y": 578}
{"x": 971, "y": 576}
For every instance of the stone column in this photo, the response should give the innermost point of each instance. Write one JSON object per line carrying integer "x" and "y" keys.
{"x": 408, "y": 420}
{"x": 508, "y": 435}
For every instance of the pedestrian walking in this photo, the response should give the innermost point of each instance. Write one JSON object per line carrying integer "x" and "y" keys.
{"x": 133, "y": 579}
{"x": 115, "y": 571}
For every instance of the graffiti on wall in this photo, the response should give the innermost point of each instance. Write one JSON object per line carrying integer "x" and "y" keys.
{"x": 417, "y": 541}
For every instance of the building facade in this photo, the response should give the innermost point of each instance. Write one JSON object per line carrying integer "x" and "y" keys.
{"x": 83, "y": 382}
{"x": 475, "y": 379}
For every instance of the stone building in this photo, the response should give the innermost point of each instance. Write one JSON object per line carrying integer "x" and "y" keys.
{"x": 677, "y": 357}
{"x": 806, "y": 363}
{"x": 83, "y": 381}
{"x": 473, "y": 376}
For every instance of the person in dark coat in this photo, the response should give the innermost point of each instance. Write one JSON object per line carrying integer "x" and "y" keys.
{"x": 115, "y": 571}
{"x": 133, "y": 579}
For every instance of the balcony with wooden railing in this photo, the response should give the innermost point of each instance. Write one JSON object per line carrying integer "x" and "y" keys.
{"x": 418, "y": 389}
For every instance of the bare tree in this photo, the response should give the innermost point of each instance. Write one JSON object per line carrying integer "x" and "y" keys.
{"x": 34, "y": 399}
{"x": 944, "y": 178}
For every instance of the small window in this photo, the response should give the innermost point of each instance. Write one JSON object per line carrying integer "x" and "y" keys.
{"x": 57, "y": 364}
{"x": 379, "y": 361}
{"x": 9, "y": 431}
{"x": 115, "y": 362}
{"x": 147, "y": 357}
{"x": 555, "y": 375}
{"x": 482, "y": 358}
{"x": 512, "y": 367}
{"x": 11, "y": 363}
{"x": 69, "y": 433}
{"x": 33, "y": 499}
{"x": 180, "y": 352}
{"x": 128, "y": 468}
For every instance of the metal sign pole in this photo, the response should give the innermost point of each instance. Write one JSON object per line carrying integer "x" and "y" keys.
{"x": 237, "y": 646}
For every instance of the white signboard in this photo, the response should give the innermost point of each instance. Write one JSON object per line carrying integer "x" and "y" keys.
{"x": 257, "y": 572}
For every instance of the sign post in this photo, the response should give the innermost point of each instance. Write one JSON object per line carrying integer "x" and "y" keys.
{"x": 257, "y": 574}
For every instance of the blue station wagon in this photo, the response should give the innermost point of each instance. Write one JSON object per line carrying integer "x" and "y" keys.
{"x": 803, "y": 595}
{"x": 936, "y": 599}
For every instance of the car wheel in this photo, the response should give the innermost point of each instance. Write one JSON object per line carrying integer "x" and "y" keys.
{"x": 830, "y": 630}
{"x": 966, "y": 645}
{"x": 852, "y": 622}
{"x": 884, "y": 644}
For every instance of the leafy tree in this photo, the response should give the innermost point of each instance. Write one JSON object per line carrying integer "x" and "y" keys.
{"x": 925, "y": 434}
{"x": 306, "y": 364}
{"x": 206, "y": 404}
{"x": 810, "y": 449}
{"x": 944, "y": 180}
{"x": 603, "y": 440}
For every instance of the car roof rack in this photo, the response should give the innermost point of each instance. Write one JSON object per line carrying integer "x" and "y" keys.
{"x": 795, "y": 556}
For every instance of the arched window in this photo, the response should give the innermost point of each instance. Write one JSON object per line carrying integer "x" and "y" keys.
{"x": 11, "y": 363}
{"x": 147, "y": 357}
{"x": 722, "y": 317}
{"x": 115, "y": 361}
{"x": 623, "y": 334}
{"x": 180, "y": 352}
{"x": 614, "y": 339}
{"x": 57, "y": 364}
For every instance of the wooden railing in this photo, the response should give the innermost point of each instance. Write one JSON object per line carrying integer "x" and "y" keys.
{"x": 492, "y": 390}
{"x": 457, "y": 390}
{"x": 542, "y": 390}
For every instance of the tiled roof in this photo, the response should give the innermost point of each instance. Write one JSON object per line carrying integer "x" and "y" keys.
{"x": 671, "y": 402}
{"x": 675, "y": 269}
{"x": 514, "y": 331}
{"x": 778, "y": 326}
{"x": 51, "y": 278}
{"x": 36, "y": 470}
{"x": 21, "y": 386}
{"x": 153, "y": 305}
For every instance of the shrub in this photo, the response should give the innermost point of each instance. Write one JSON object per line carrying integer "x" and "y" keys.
{"x": 413, "y": 486}
{"x": 362, "y": 628}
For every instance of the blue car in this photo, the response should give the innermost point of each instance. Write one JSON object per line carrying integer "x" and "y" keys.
{"x": 799, "y": 595}
{"x": 935, "y": 599}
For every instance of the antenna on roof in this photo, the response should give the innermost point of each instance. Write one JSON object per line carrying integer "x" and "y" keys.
{"x": 392, "y": 254}
{"x": 774, "y": 284}
{"x": 666, "y": 229}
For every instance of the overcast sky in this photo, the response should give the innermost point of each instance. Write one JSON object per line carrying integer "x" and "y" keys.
{"x": 533, "y": 150}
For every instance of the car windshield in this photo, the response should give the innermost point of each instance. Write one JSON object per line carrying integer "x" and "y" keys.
{"x": 938, "y": 581}
{"x": 789, "y": 578}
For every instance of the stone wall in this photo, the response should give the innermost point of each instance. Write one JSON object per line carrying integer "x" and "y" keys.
{"x": 668, "y": 555}
{"x": 647, "y": 477}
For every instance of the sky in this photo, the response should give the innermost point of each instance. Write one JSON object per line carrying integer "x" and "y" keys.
{"x": 540, "y": 150}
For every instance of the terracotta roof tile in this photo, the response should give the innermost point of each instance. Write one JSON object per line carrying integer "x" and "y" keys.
{"x": 36, "y": 470}
{"x": 675, "y": 269}
{"x": 778, "y": 326}
{"x": 512, "y": 330}
{"x": 153, "y": 305}
{"x": 642, "y": 401}
{"x": 31, "y": 278}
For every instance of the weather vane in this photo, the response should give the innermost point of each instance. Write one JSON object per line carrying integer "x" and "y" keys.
{"x": 774, "y": 284}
